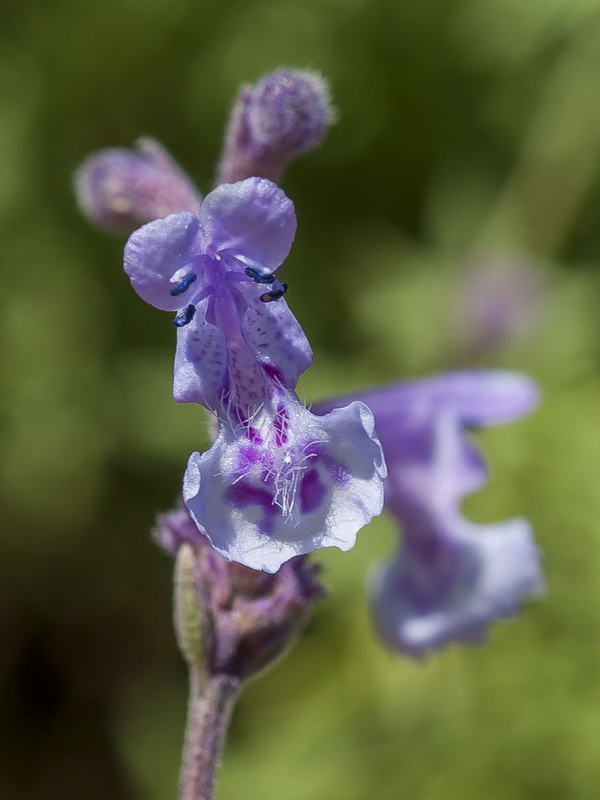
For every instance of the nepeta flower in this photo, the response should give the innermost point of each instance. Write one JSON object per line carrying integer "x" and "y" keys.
{"x": 278, "y": 481}
{"x": 450, "y": 577}
{"x": 216, "y": 269}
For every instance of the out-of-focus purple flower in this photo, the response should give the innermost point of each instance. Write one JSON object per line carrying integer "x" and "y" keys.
{"x": 287, "y": 113}
{"x": 120, "y": 189}
{"x": 278, "y": 481}
{"x": 450, "y": 578}
{"x": 499, "y": 301}
{"x": 232, "y": 620}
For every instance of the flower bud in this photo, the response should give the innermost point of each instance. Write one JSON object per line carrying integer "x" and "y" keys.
{"x": 230, "y": 619}
{"x": 121, "y": 189}
{"x": 287, "y": 113}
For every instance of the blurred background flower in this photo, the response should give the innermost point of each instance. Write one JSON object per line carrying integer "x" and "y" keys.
{"x": 464, "y": 135}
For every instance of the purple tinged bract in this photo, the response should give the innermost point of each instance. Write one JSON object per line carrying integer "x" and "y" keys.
{"x": 450, "y": 577}
{"x": 278, "y": 481}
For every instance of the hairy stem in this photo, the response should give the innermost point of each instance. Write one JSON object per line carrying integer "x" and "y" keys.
{"x": 209, "y": 710}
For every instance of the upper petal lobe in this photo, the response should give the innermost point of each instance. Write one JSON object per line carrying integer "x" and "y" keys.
{"x": 252, "y": 219}
{"x": 157, "y": 252}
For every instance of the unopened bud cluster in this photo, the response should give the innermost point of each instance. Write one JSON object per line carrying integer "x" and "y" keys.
{"x": 230, "y": 619}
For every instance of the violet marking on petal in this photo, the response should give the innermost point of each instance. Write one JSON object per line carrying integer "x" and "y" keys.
{"x": 183, "y": 285}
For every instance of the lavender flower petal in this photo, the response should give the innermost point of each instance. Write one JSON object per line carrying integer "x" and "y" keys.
{"x": 479, "y": 397}
{"x": 201, "y": 363}
{"x": 158, "y": 253}
{"x": 252, "y": 219}
{"x": 450, "y": 584}
{"x": 276, "y": 338}
{"x": 294, "y": 483}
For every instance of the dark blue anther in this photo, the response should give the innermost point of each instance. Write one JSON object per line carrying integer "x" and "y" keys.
{"x": 278, "y": 290}
{"x": 184, "y": 316}
{"x": 259, "y": 277}
{"x": 181, "y": 286}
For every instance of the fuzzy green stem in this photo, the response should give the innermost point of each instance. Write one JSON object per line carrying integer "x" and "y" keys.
{"x": 209, "y": 710}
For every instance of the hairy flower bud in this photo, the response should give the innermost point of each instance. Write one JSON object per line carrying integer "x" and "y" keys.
{"x": 120, "y": 189}
{"x": 230, "y": 619}
{"x": 287, "y": 113}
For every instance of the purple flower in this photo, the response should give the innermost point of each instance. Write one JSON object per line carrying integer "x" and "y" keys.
{"x": 120, "y": 189}
{"x": 216, "y": 269}
{"x": 451, "y": 577}
{"x": 278, "y": 481}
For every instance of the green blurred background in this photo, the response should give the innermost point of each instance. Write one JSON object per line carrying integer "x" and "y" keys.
{"x": 468, "y": 136}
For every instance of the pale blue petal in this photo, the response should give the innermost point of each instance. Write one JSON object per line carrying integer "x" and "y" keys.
{"x": 430, "y": 596}
{"x": 274, "y": 334}
{"x": 287, "y": 489}
{"x": 201, "y": 363}
{"x": 479, "y": 397}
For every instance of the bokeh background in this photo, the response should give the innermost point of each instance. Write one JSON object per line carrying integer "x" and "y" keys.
{"x": 450, "y": 219}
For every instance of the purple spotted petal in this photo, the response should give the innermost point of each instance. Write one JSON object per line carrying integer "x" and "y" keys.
{"x": 201, "y": 362}
{"x": 449, "y": 584}
{"x": 294, "y": 483}
{"x": 252, "y": 220}
{"x": 432, "y": 464}
{"x": 160, "y": 253}
{"x": 274, "y": 334}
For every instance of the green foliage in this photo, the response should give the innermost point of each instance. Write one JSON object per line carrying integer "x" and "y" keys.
{"x": 465, "y": 131}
